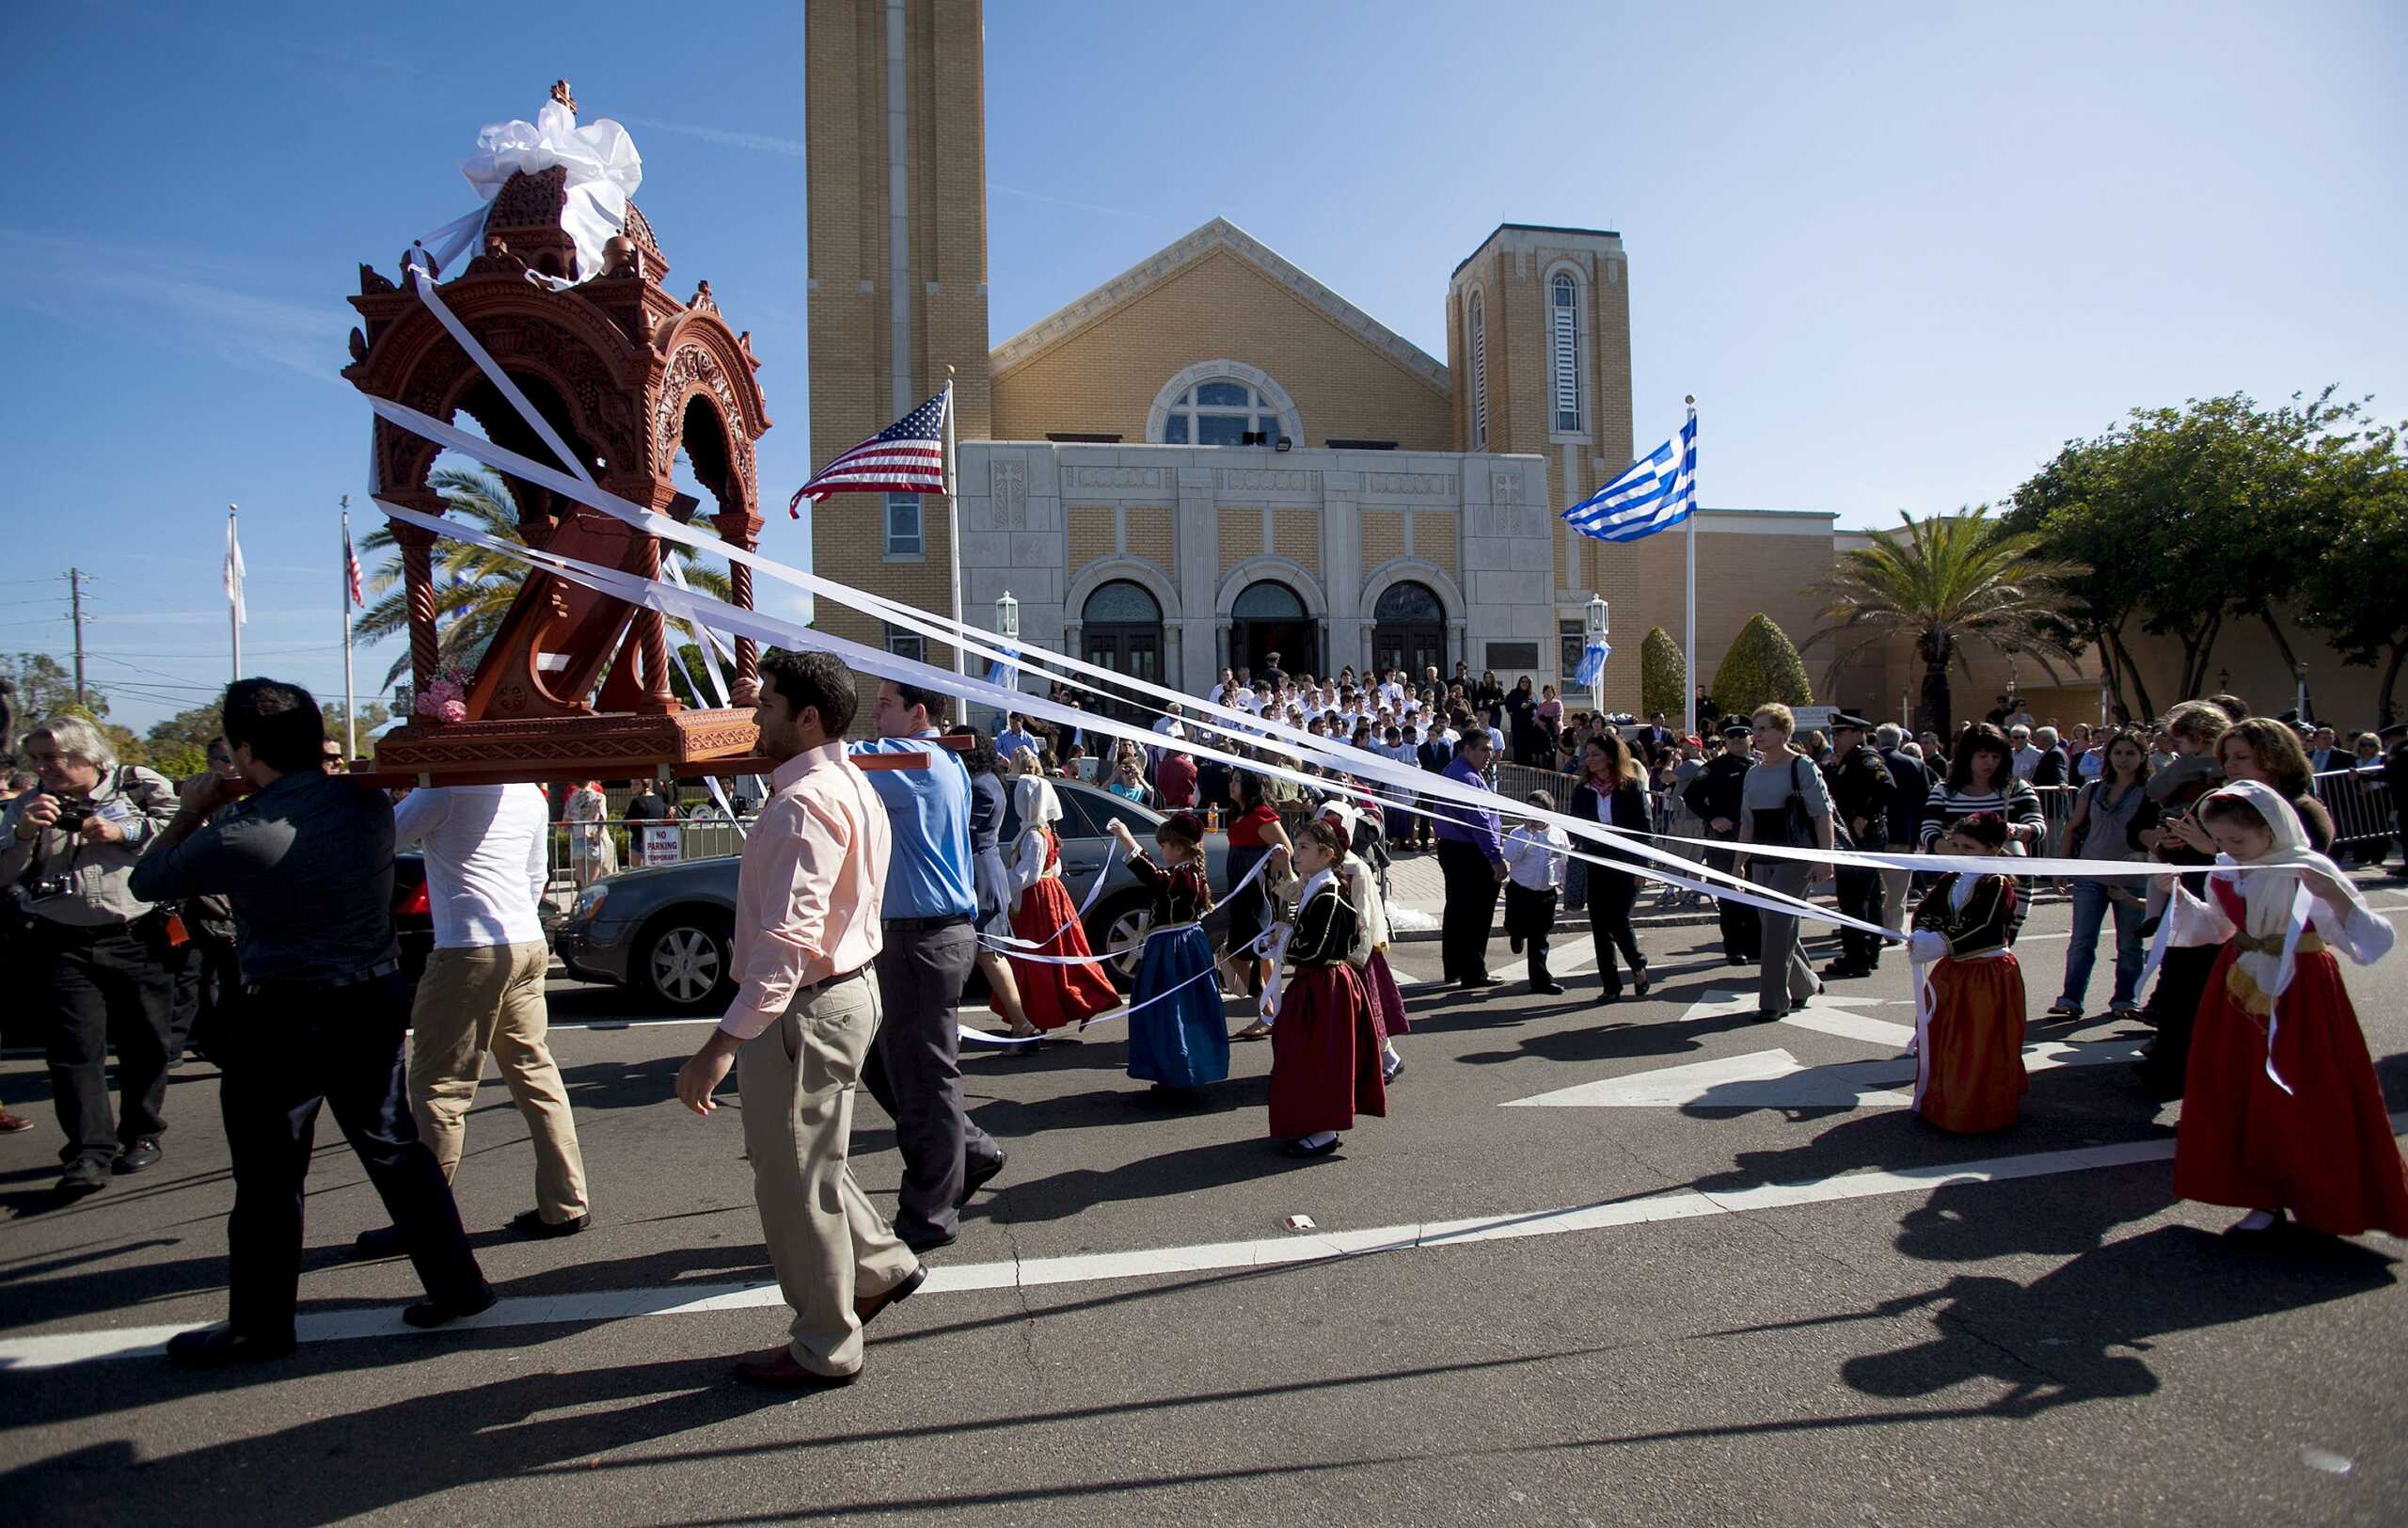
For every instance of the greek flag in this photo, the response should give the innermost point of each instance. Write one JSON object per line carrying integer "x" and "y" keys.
{"x": 1659, "y": 490}
{"x": 1592, "y": 662}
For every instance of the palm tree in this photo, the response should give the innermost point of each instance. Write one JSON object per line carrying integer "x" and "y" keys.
{"x": 1946, "y": 582}
{"x": 473, "y": 587}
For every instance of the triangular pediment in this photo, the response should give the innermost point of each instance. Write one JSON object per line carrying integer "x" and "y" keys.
{"x": 1220, "y": 236}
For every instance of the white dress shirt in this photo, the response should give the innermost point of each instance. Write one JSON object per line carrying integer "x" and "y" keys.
{"x": 484, "y": 861}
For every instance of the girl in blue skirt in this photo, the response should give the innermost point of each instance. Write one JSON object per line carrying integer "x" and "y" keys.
{"x": 1178, "y": 1036}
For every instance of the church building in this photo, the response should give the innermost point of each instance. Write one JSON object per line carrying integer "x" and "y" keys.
{"x": 1214, "y": 456}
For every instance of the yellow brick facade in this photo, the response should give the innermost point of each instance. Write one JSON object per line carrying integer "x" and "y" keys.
{"x": 1151, "y": 537}
{"x": 1091, "y": 533}
{"x": 1103, "y": 377}
{"x": 1433, "y": 541}
{"x": 1240, "y": 535}
{"x": 1295, "y": 534}
{"x": 1382, "y": 536}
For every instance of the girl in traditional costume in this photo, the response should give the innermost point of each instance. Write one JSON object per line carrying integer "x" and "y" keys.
{"x": 1969, "y": 1003}
{"x": 1047, "y": 920}
{"x": 1368, "y": 955}
{"x": 1179, "y": 1037}
{"x": 1325, "y": 1045}
{"x": 2282, "y": 1115}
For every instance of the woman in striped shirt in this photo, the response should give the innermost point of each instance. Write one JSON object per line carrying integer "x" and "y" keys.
{"x": 1981, "y": 778}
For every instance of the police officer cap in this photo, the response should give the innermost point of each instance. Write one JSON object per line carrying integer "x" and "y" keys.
{"x": 1855, "y": 723}
{"x": 1736, "y": 729}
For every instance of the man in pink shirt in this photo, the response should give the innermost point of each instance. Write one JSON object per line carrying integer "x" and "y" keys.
{"x": 807, "y": 902}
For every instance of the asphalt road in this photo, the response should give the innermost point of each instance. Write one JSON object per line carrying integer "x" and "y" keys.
{"x": 1751, "y": 1289}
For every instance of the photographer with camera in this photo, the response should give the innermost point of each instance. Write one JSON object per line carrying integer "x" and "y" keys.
{"x": 97, "y": 954}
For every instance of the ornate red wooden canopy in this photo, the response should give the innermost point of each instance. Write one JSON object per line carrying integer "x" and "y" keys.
{"x": 574, "y": 683}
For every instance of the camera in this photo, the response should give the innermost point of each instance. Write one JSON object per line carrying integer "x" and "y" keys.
{"x": 25, "y": 893}
{"x": 72, "y": 814}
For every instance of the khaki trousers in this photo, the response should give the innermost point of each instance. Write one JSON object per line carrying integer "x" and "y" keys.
{"x": 490, "y": 999}
{"x": 827, "y": 1241}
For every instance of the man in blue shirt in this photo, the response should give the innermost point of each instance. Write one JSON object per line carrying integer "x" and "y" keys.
{"x": 1013, "y": 739}
{"x": 1471, "y": 855}
{"x": 914, "y": 1065}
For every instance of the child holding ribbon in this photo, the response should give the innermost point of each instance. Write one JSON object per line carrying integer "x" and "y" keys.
{"x": 1325, "y": 1045}
{"x": 1968, "y": 990}
{"x": 2282, "y": 1114}
{"x": 1046, "y": 920}
{"x": 1368, "y": 955}
{"x": 1179, "y": 1037}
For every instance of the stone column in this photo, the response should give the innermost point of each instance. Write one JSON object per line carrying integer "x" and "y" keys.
{"x": 1196, "y": 552}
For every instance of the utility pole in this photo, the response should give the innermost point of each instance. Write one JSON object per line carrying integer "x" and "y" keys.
{"x": 76, "y": 603}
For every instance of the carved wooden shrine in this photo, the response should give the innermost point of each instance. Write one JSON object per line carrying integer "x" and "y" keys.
{"x": 574, "y": 683}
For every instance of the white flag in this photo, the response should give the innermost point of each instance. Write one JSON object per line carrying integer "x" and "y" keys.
{"x": 234, "y": 573}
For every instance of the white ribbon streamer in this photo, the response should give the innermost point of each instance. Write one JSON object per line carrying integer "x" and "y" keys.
{"x": 604, "y": 170}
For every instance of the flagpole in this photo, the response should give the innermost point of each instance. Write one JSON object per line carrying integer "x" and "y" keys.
{"x": 350, "y": 705}
{"x": 953, "y": 523}
{"x": 234, "y": 593}
{"x": 1689, "y": 639}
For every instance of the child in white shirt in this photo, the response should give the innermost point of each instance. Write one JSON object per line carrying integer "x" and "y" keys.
{"x": 1534, "y": 857}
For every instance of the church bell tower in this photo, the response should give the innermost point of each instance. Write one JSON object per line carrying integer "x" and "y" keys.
{"x": 896, "y": 167}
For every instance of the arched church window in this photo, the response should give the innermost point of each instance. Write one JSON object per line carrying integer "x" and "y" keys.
{"x": 1222, "y": 413}
{"x": 1564, "y": 321}
{"x": 1479, "y": 373}
{"x": 1267, "y": 601}
{"x": 1120, "y": 602}
{"x": 1408, "y": 602}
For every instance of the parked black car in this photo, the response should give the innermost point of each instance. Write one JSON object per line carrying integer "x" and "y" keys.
{"x": 668, "y": 930}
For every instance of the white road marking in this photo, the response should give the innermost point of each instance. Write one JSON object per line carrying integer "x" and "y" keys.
{"x": 1776, "y": 1079}
{"x": 59, "y": 1349}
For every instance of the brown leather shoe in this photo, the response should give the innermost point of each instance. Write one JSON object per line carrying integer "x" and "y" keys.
{"x": 12, "y": 1124}
{"x": 777, "y": 1370}
{"x": 865, "y": 1310}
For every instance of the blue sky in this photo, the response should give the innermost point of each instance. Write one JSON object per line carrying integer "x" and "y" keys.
{"x": 1900, "y": 253}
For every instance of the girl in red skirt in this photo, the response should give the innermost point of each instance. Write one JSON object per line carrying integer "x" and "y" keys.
{"x": 1968, "y": 990}
{"x": 1325, "y": 1043}
{"x": 2282, "y": 1115}
{"x": 1370, "y": 955}
{"x": 1044, "y": 914}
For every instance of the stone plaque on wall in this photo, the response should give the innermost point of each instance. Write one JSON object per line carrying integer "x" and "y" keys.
{"x": 1011, "y": 494}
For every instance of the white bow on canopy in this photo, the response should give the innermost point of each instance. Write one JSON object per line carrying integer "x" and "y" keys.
{"x": 604, "y": 170}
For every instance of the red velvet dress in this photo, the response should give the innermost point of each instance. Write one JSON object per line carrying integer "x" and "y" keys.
{"x": 2324, "y": 1150}
{"x": 1054, "y": 995}
{"x": 1968, "y": 1052}
{"x": 1325, "y": 1065}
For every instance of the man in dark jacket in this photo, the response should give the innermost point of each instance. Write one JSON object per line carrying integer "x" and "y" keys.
{"x": 1911, "y": 782}
{"x": 1714, "y": 796}
{"x": 2056, "y": 766}
{"x": 1861, "y": 787}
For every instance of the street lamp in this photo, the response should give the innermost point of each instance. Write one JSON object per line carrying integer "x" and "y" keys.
{"x": 1008, "y": 617}
{"x": 1596, "y": 636}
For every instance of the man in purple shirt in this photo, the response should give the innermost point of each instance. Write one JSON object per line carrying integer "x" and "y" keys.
{"x": 1471, "y": 855}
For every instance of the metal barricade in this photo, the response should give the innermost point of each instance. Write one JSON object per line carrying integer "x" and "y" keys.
{"x": 579, "y": 854}
{"x": 2365, "y": 818}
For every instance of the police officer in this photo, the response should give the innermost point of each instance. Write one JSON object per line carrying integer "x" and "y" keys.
{"x": 1714, "y": 796}
{"x": 1860, "y": 789}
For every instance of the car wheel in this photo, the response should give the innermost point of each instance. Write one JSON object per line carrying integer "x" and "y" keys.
{"x": 684, "y": 960}
{"x": 1117, "y": 932}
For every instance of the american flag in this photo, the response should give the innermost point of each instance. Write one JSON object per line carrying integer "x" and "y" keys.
{"x": 907, "y": 456}
{"x": 351, "y": 568}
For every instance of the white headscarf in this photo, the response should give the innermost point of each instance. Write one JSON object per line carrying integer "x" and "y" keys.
{"x": 1040, "y": 808}
{"x": 2278, "y": 905}
{"x": 1357, "y": 885}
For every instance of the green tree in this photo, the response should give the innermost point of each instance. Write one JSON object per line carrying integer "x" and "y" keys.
{"x": 1663, "y": 678}
{"x": 2187, "y": 519}
{"x": 1945, "y": 582}
{"x": 474, "y": 588}
{"x": 46, "y": 687}
{"x": 179, "y": 746}
{"x": 1762, "y": 665}
{"x": 2353, "y": 590}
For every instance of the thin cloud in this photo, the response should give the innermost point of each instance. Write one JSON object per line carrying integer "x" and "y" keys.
{"x": 60, "y": 276}
{"x": 1064, "y": 202}
{"x": 759, "y": 142}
